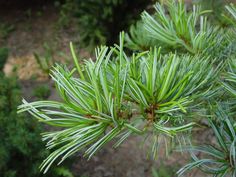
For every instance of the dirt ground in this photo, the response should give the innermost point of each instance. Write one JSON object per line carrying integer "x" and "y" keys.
{"x": 33, "y": 28}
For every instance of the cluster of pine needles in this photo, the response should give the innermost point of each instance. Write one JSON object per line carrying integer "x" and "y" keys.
{"x": 172, "y": 71}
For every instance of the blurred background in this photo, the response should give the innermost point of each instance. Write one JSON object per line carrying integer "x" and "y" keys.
{"x": 34, "y": 34}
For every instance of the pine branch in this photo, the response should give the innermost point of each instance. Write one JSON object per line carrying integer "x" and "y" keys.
{"x": 119, "y": 96}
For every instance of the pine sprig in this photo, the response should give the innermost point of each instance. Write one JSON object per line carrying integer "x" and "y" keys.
{"x": 101, "y": 104}
{"x": 137, "y": 38}
{"x": 117, "y": 95}
{"x": 177, "y": 27}
{"x": 220, "y": 159}
{"x": 229, "y": 82}
{"x": 232, "y": 10}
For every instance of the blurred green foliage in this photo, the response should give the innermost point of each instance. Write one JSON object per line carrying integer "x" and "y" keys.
{"x": 42, "y": 92}
{"x": 21, "y": 148}
{"x": 100, "y": 21}
{"x": 3, "y": 57}
{"x": 164, "y": 171}
{"x": 5, "y": 30}
{"x": 45, "y": 61}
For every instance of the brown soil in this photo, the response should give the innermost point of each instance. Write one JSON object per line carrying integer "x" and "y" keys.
{"x": 131, "y": 160}
{"x": 31, "y": 32}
